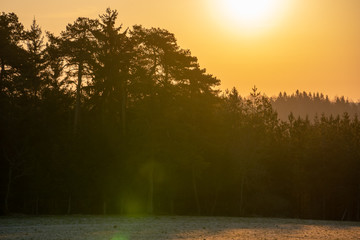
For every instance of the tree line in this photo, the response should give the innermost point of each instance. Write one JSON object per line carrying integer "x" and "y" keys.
{"x": 107, "y": 120}
{"x": 312, "y": 105}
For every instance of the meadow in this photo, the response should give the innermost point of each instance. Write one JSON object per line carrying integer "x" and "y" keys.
{"x": 171, "y": 227}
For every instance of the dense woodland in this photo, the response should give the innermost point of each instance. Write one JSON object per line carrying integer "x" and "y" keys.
{"x": 106, "y": 120}
{"x": 312, "y": 105}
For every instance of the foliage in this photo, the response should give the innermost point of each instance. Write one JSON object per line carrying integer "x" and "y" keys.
{"x": 103, "y": 119}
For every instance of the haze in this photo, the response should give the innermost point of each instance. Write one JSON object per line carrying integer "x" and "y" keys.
{"x": 308, "y": 45}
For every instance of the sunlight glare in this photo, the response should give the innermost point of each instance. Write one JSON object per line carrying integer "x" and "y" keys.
{"x": 250, "y": 14}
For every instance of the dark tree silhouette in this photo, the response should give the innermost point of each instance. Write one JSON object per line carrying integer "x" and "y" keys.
{"x": 102, "y": 119}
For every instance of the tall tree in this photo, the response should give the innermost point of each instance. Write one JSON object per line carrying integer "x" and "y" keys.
{"x": 12, "y": 57}
{"x": 112, "y": 65}
{"x": 35, "y": 72}
{"x": 77, "y": 46}
{"x": 11, "y": 53}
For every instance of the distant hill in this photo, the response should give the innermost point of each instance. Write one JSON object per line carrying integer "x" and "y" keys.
{"x": 311, "y": 104}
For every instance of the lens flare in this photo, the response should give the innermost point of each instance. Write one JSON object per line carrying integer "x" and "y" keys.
{"x": 120, "y": 237}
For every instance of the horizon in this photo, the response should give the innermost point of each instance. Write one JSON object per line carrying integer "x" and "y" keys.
{"x": 308, "y": 46}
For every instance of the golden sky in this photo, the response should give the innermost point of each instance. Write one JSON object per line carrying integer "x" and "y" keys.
{"x": 310, "y": 45}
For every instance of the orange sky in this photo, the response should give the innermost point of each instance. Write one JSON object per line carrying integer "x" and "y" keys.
{"x": 313, "y": 45}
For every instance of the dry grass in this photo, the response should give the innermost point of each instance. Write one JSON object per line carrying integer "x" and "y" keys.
{"x": 124, "y": 228}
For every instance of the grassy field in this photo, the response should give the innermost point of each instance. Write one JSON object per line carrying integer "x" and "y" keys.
{"x": 171, "y": 227}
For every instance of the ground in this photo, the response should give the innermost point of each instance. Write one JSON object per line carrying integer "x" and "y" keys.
{"x": 172, "y": 227}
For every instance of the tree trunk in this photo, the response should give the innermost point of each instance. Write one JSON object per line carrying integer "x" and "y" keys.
{"x": 215, "y": 201}
{"x": 2, "y": 74}
{"x": 69, "y": 205}
{"x": 53, "y": 206}
{"x": 104, "y": 208}
{"x": 196, "y": 195}
{"x": 241, "y": 209}
{"x": 122, "y": 208}
{"x": 166, "y": 74}
{"x": 37, "y": 205}
{"x": 344, "y": 214}
{"x": 358, "y": 205}
{"x": 8, "y": 189}
{"x": 78, "y": 99}
{"x": 358, "y": 210}
{"x": 323, "y": 208}
{"x": 172, "y": 207}
{"x": 123, "y": 108}
{"x": 300, "y": 205}
{"x": 150, "y": 207}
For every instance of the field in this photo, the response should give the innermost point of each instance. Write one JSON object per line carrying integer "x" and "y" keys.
{"x": 173, "y": 227}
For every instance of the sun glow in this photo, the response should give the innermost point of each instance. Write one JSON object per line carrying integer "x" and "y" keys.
{"x": 251, "y": 15}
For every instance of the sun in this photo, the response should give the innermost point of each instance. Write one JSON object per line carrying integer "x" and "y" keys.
{"x": 250, "y": 14}
{"x": 249, "y": 10}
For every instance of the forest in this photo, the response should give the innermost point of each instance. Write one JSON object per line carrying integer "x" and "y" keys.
{"x": 104, "y": 119}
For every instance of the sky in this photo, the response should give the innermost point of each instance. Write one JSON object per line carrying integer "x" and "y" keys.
{"x": 277, "y": 45}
